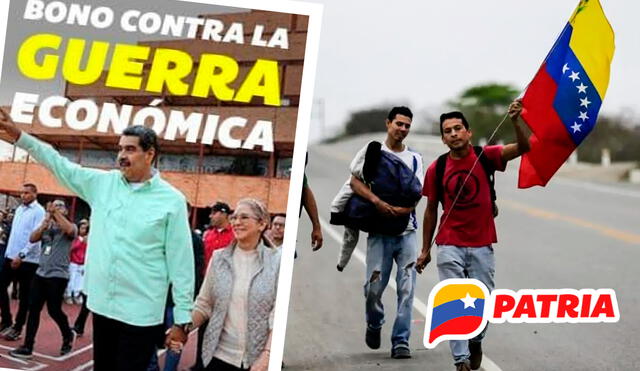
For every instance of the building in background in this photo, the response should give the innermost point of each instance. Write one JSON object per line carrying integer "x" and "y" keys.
{"x": 204, "y": 173}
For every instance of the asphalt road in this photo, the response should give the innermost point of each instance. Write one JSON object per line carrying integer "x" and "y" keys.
{"x": 567, "y": 235}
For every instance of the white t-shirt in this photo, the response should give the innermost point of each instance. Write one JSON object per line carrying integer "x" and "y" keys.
{"x": 408, "y": 156}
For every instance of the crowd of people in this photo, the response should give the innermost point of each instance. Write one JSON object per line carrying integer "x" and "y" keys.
{"x": 37, "y": 245}
{"x": 54, "y": 273}
{"x": 49, "y": 281}
{"x": 146, "y": 277}
{"x": 147, "y": 274}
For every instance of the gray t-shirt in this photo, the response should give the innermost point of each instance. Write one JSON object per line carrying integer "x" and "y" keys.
{"x": 54, "y": 256}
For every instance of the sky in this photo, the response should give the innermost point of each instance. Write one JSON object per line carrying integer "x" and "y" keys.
{"x": 424, "y": 53}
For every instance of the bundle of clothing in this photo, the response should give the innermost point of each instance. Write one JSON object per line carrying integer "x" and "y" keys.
{"x": 392, "y": 181}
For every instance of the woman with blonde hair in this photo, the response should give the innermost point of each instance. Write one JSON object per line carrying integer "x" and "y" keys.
{"x": 238, "y": 295}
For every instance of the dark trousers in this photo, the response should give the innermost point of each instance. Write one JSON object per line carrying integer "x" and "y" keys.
{"x": 82, "y": 316}
{"x": 118, "y": 346}
{"x": 218, "y": 365}
{"x": 24, "y": 274}
{"x": 50, "y": 291}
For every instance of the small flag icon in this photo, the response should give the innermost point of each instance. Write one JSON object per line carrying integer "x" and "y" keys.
{"x": 455, "y": 311}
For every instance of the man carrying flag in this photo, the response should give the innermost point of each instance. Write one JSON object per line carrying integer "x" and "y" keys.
{"x": 563, "y": 100}
{"x": 460, "y": 179}
{"x": 561, "y": 105}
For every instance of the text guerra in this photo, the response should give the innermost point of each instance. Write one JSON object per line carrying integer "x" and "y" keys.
{"x": 39, "y": 59}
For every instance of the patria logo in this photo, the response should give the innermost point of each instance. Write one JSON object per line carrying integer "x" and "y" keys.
{"x": 459, "y": 309}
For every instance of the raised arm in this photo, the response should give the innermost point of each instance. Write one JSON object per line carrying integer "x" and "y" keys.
{"x": 522, "y": 145}
{"x": 71, "y": 175}
{"x": 36, "y": 235}
{"x": 65, "y": 225}
{"x": 9, "y": 126}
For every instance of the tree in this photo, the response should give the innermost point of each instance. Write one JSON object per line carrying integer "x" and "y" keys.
{"x": 610, "y": 133}
{"x": 366, "y": 121}
{"x": 485, "y": 106}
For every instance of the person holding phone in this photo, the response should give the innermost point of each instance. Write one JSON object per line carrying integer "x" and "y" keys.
{"x": 56, "y": 233}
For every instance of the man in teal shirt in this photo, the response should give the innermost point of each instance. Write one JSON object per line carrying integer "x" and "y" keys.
{"x": 139, "y": 243}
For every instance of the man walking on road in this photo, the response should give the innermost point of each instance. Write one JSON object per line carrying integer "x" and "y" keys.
{"x": 383, "y": 250}
{"x": 140, "y": 243}
{"x": 467, "y": 230}
{"x": 20, "y": 260}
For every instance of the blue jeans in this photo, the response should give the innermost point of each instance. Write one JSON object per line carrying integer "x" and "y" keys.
{"x": 382, "y": 251}
{"x": 466, "y": 262}
{"x": 171, "y": 361}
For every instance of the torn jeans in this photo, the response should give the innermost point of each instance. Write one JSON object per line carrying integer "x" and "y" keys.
{"x": 382, "y": 251}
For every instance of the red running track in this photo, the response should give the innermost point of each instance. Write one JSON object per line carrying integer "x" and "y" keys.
{"x": 46, "y": 353}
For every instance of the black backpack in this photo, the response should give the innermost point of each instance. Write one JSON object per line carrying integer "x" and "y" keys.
{"x": 487, "y": 166}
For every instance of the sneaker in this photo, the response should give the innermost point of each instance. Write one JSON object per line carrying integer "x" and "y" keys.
{"x": 4, "y": 329}
{"x": 400, "y": 352}
{"x": 67, "y": 344}
{"x": 475, "y": 358}
{"x": 22, "y": 352}
{"x": 12, "y": 335}
{"x": 372, "y": 338}
{"x": 463, "y": 366}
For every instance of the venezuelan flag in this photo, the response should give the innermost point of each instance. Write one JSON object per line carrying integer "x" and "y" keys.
{"x": 562, "y": 102}
{"x": 456, "y": 309}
